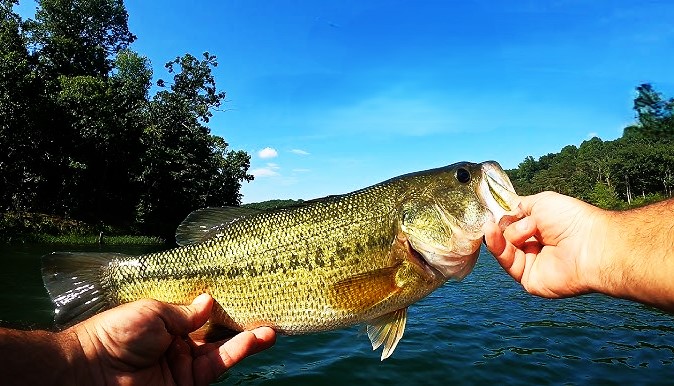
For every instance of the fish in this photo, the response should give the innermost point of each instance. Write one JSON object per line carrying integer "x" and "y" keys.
{"x": 359, "y": 258}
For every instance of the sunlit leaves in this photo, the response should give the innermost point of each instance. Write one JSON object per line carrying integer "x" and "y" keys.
{"x": 632, "y": 170}
{"x": 81, "y": 136}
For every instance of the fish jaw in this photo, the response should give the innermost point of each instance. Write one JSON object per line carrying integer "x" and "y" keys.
{"x": 446, "y": 263}
{"x": 498, "y": 195}
{"x": 439, "y": 262}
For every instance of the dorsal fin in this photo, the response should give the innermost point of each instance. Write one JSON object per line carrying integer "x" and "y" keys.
{"x": 204, "y": 224}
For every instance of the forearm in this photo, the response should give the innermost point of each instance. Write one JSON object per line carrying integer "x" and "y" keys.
{"x": 637, "y": 255}
{"x": 39, "y": 358}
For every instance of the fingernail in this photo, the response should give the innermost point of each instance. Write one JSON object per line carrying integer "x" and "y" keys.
{"x": 523, "y": 224}
{"x": 201, "y": 299}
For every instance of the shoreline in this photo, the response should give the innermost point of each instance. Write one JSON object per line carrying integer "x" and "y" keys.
{"x": 79, "y": 239}
{"x": 39, "y": 228}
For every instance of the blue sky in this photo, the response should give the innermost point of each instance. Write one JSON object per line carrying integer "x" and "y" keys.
{"x": 333, "y": 96}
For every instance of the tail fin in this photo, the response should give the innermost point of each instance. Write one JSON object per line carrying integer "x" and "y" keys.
{"x": 73, "y": 281}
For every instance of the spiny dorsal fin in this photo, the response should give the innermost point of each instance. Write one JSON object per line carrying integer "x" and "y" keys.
{"x": 387, "y": 330}
{"x": 206, "y": 223}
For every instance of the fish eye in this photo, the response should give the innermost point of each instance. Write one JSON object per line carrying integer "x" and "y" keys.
{"x": 462, "y": 175}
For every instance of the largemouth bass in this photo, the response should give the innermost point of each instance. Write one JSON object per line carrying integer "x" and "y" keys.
{"x": 361, "y": 257}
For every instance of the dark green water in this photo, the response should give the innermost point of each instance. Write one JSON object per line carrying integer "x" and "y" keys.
{"x": 484, "y": 330}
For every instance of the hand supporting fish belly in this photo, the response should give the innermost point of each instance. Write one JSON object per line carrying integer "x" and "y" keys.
{"x": 362, "y": 257}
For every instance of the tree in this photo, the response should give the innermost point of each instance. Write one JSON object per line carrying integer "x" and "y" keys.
{"x": 80, "y": 37}
{"x": 184, "y": 166}
{"x": 87, "y": 129}
{"x": 107, "y": 117}
{"x": 81, "y": 137}
{"x": 21, "y": 158}
{"x": 655, "y": 116}
{"x": 605, "y": 196}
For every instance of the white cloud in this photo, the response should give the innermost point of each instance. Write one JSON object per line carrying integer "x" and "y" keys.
{"x": 592, "y": 135}
{"x": 299, "y": 152}
{"x": 267, "y": 152}
{"x": 271, "y": 170}
{"x": 299, "y": 170}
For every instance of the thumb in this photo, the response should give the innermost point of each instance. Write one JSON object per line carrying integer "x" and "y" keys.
{"x": 181, "y": 320}
{"x": 520, "y": 231}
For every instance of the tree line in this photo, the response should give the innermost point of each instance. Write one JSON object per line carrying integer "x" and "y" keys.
{"x": 633, "y": 170}
{"x": 81, "y": 134}
{"x": 86, "y": 134}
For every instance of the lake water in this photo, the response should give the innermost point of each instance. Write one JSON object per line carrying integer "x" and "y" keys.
{"x": 483, "y": 330}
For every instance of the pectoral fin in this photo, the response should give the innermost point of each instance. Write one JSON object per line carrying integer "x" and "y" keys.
{"x": 218, "y": 327}
{"x": 212, "y": 332}
{"x": 364, "y": 290}
{"x": 387, "y": 330}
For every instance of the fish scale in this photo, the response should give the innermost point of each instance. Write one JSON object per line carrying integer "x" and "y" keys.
{"x": 260, "y": 264}
{"x": 361, "y": 257}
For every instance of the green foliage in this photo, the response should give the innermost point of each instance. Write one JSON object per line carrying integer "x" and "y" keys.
{"x": 16, "y": 223}
{"x": 630, "y": 171}
{"x": 273, "y": 204}
{"x": 20, "y": 99}
{"x": 79, "y": 37}
{"x": 22, "y": 227}
{"x": 81, "y": 136}
{"x": 183, "y": 166}
{"x": 94, "y": 240}
{"x": 654, "y": 114}
{"x": 605, "y": 196}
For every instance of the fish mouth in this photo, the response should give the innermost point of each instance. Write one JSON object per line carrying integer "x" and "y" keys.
{"x": 435, "y": 261}
{"x": 498, "y": 193}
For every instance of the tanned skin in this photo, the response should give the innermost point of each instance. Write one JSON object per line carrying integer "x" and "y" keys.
{"x": 564, "y": 247}
{"x": 140, "y": 343}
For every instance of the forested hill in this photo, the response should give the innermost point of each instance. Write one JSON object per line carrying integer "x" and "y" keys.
{"x": 633, "y": 170}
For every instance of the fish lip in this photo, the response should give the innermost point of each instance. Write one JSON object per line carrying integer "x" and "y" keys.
{"x": 496, "y": 189}
{"x": 498, "y": 192}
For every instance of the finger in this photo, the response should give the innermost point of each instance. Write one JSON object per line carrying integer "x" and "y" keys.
{"x": 181, "y": 320}
{"x": 245, "y": 344}
{"x": 179, "y": 357}
{"x": 503, "y": 251}
{"x": 530, "y": 250}
{"x": 527, "y": 203}
{"x": 214, "y": 363}
{"x": 266, "y": 337}
{"x": 499, "y": 246}
{"x": 520, "y": 231}
{"x": 512, "y": 248}
{"x": 493, "y": 238}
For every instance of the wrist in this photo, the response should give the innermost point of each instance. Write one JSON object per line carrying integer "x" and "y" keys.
{"x": 36, "y": 357}
{"x": 595, "y": 265}
{"x": 77, "y": 370}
